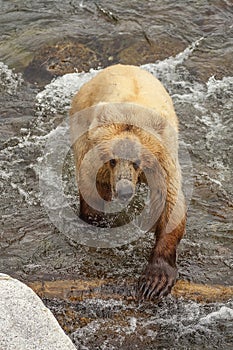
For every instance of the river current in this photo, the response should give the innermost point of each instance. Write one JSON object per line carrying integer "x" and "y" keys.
{"x": 48, "y": 50}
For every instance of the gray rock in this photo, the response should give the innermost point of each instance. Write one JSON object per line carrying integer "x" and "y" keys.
{"x": 25, "y": 322}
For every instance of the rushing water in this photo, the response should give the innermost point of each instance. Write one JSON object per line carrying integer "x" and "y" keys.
{"x": 188, "y": 46}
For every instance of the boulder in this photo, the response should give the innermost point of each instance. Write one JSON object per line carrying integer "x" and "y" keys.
{"x": 25, "y": 322}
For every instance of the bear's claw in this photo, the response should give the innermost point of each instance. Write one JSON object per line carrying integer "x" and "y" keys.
{"x": 157, "y": 280}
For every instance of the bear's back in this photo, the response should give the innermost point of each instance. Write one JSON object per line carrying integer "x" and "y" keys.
{"x": 122, "y": 83}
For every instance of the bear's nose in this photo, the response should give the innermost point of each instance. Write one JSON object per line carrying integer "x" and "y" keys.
{"x": 124, "y": 190}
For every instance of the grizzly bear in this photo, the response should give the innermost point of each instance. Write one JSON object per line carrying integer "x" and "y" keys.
{"x": 129, "y": 135}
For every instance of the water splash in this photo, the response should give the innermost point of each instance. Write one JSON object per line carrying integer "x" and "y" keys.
{"x": 56, "y": 96}
{"x": 224, "y": 313}
{"x": 166, "y": 69}
{"x": 185, "y": 324}
{"x": 9, "y": 81}
{"x": 223, "y": 87}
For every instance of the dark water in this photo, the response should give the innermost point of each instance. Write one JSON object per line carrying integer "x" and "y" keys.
{"x": 42, "y": 40}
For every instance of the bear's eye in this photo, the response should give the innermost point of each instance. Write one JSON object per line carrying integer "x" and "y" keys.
{"x": 136, "y": 164}
{"x": 112, "y": 162}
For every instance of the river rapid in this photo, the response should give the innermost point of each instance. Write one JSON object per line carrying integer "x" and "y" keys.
{"x": 48, "y": 49}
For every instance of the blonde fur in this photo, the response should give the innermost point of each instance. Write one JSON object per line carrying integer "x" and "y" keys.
{"x": 128, "y": 103}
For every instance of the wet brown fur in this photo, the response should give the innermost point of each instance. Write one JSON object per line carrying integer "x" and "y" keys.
{"x": 129, "y": 103}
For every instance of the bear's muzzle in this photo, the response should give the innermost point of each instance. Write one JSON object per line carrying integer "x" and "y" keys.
{"x": 124, "y": 190}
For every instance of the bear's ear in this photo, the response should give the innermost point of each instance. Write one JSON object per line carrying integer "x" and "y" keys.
{"x": 89, "y": 119}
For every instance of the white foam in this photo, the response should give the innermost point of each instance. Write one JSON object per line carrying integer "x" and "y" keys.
{"x": 9, "y": 81}
{"x": 215, "y": 86}
{"x": 167, "y": 67}
{"x": 224, "y": 313}
{"x": 88, "y": 329}
{"x": 24, "y": 194}
{"x": 133, "y": 324}
{"x": 6, "y": 175}
{"x": 56, "y": 96}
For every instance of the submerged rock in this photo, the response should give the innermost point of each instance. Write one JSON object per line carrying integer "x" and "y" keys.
{"x": 25, "y": 323}
{"x": 76, "y": 290}
{"x": 52, "y": 60}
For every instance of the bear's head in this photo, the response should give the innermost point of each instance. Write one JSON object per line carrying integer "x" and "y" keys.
{"x": 124, "y": 164}
{"x": 116, "y": 153}
{"x": 123, "y": 156}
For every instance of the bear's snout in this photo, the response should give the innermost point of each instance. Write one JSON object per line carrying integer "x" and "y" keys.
{"x": 124, "y": 190}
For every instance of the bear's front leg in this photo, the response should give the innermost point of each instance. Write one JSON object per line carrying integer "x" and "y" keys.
{"x": 160, "y": 274}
